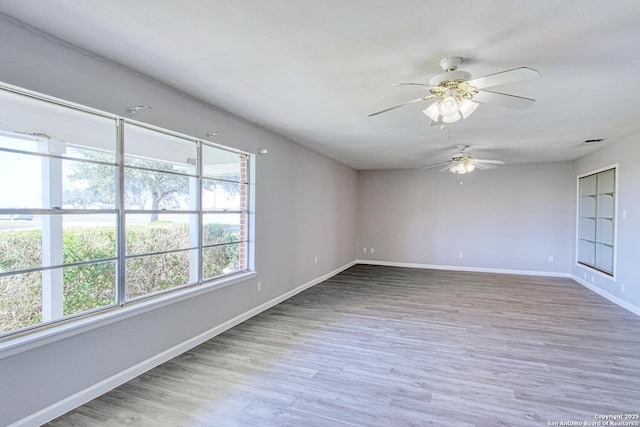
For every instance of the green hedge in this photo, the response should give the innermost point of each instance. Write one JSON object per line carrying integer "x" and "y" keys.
{"x": 91, "y": 286}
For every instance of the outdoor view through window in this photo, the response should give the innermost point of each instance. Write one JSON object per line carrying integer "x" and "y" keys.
{"x": 97, "y": 211}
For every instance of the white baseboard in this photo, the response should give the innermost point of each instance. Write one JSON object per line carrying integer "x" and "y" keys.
{"x": 462, "y": 268}
{"x": 614, "y": 299}
{"x": 59, "y": 408}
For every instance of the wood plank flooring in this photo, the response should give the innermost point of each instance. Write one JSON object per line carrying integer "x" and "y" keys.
{"x": 387, "y": 346}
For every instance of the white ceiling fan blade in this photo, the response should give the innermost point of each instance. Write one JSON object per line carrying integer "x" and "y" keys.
{"x": 416, "y": 84}
{"x": 497, "y": 98}
{"x": 435, "y": 165}
{"x": 484, "y": 166}
{"x": 493, "y": 162}
{"x": 504, "y": 77}
{"x": 396, "y": 106}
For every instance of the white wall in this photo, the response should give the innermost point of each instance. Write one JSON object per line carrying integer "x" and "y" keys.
{"x": 627, "y": 274}
{"x": 510, "y": 218}
{"x": 306, "y": 207}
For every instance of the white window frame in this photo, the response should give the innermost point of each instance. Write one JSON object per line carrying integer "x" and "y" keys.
{"x": 64, "y": 326}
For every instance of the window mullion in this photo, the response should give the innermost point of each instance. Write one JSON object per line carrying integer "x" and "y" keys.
{"x": 199, "y": 208}
{"x": 121, "y": 242}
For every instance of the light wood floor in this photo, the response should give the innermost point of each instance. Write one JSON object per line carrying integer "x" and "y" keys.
{"x": 386, "y": 346}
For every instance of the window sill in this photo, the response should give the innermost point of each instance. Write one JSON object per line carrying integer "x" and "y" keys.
{"x": 56, "y": 332}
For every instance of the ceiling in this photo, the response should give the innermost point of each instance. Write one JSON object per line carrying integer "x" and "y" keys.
{"x": 313, "y": 70}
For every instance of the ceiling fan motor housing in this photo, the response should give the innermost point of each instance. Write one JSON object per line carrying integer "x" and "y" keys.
{"x": 460, "y": 156}
{"x": 461, "y": 153}
{"x": 456, "y": 75}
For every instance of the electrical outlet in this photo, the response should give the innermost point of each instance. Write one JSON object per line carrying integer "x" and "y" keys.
{"x": 372, "y": 250}
{"x": 622, "y": 288}
{"x": 460, "y": 255}
{"x": 550, "y": 258}
{"x": 315, "y": 260}
{"x": 259, "y": 286}
{"x": 364, "y": 250}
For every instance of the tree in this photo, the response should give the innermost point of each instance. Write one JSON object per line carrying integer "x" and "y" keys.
{"x": 93, "y": 184}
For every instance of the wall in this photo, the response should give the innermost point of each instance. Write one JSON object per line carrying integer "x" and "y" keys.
{"x": 511, "y": 218}
{"x": 624, "y": 288}
{"x": 305, "y": 208}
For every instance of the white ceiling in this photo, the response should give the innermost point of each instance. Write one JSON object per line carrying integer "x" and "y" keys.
{"x": 313, "y": 70}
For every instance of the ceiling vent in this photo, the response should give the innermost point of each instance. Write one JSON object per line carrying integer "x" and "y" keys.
{"x": 592, "y": 141}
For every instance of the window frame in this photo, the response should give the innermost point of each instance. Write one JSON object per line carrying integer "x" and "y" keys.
{"x": 580, "y": 221}
{"x": 163, "y": 297}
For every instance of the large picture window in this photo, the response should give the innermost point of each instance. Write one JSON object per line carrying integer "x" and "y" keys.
{"x": 97, "y": 211}
{"x": 596, "y": 220}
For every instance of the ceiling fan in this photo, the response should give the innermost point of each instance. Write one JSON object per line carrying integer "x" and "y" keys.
{"x": 462, "y": 162}
{"x": 457, "y": 96}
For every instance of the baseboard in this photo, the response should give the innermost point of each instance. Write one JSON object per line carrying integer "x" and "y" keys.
{"x": 462, "y": 268}
{"x": 614, "y": 299}
{"x": 59, "y": 408}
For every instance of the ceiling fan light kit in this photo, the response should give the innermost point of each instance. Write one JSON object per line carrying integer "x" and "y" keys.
{"x": 462, "y": 166}
{"x": 450, "y": 109}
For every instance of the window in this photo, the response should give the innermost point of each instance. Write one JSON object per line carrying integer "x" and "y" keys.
{"x": 596, "y": 220}
{"x": 97, "y": 211}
